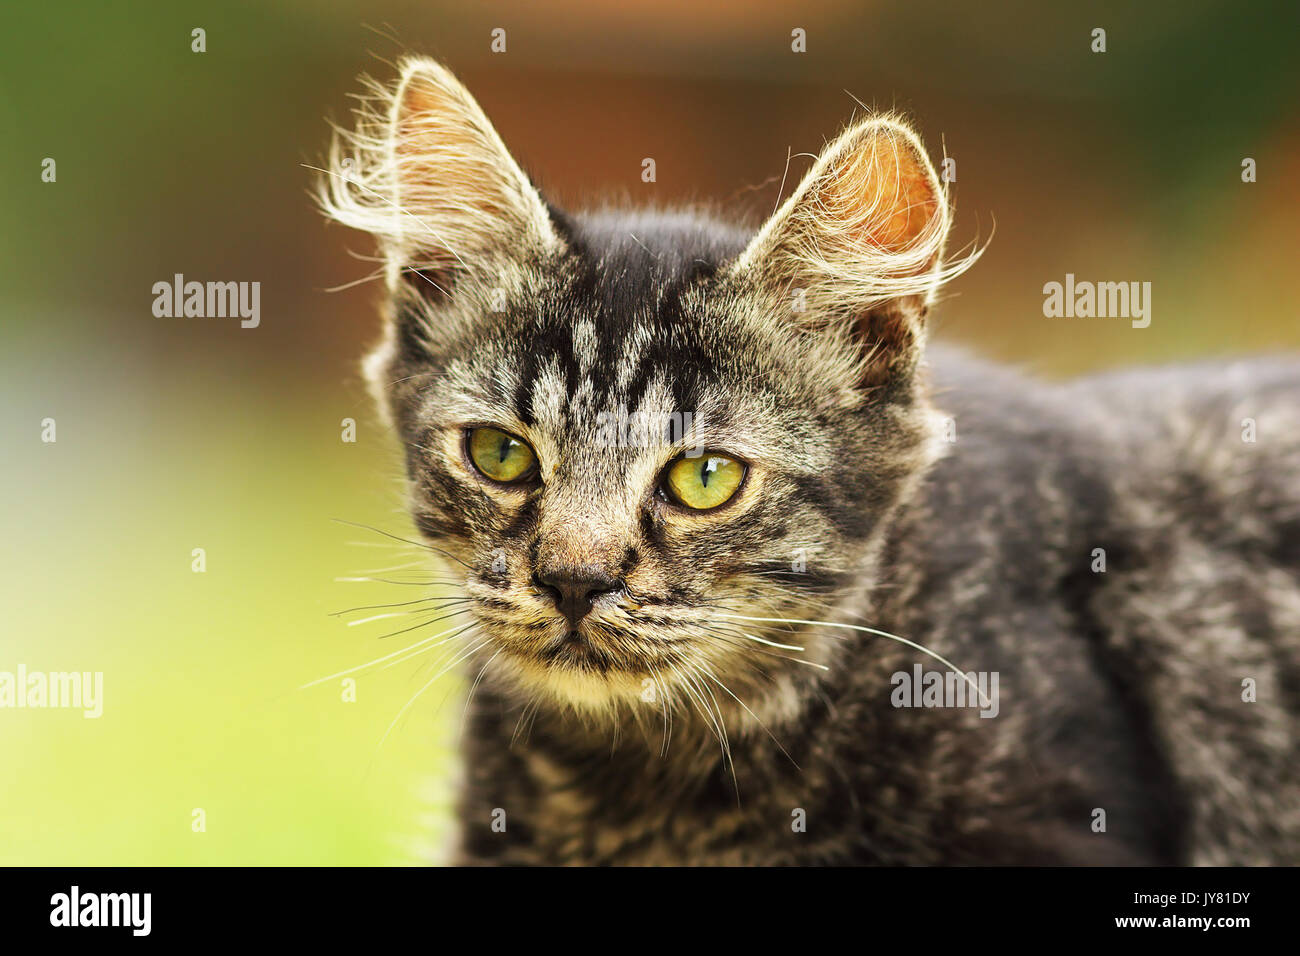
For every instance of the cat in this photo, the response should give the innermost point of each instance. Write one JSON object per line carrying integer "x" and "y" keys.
{"x": 693, "y": 643}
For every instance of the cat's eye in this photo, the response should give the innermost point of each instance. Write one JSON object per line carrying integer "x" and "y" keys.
{"x": 704, "y": 482}
{"x": 500, "y": 456}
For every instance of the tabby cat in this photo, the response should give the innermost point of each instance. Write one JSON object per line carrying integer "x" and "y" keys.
{"x": 726, "y": 528}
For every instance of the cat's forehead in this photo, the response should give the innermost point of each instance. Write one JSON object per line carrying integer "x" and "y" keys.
{"x": 627, "y": 320}
{"x": 573, "y": 366}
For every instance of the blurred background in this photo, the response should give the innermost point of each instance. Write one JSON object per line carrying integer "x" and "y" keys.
{"x": 176, "y": 434}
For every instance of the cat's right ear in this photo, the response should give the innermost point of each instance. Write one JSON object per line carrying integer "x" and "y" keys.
{"x": 426, "y": 173}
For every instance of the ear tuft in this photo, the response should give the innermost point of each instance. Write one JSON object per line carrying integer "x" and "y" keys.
{"x": 426, "y": 173}
{"x": 862, "y": 237}
{"x": 884, "y": 199}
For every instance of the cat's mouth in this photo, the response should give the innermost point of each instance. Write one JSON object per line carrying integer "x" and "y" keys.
{"x": 586, "y": 664}
{"x": 612, "y": 652}
{"x": 583, "y": 667}
{"x": 576, "y": 647}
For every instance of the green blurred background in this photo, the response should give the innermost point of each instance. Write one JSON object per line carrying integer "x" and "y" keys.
{"x": 175, "y": 434}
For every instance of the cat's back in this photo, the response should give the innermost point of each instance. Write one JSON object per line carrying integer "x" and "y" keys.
{"x": 1214, "y": 446}
{"x": 1161, "y": 507}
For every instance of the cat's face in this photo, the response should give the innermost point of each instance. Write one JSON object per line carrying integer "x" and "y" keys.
{"x": 636, "y": 435}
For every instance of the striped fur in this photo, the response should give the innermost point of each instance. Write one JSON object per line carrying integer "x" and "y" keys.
{"x": 680, "y": 729}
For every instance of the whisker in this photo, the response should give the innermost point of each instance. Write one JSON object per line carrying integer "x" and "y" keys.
{"x": 397, "y": 537}
{"x": 795, "y": 660}
{"x": 529, "y": 713}
{"x": 375, "y": 607}
{"x": 392, "y": 614}
{"x": 722, "y": 731}
{"x": 434, "y": 679}
{"x": 784, "y": 647}
{"x": 871, "y": 630}
{"x": 416, "y": 627}
{"x": 433, "y": 583}
{"x": 464, "y": 714}
{"x": 451, "y": 636}
{"x": 708, "y": 672}
{"x": 377, "y": 660}
{"x": 662, "y": 690}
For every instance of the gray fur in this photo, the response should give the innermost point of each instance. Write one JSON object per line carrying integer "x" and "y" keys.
{"x": 672, "y": 728}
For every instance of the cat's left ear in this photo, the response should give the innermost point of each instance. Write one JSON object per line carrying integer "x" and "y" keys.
{"x": 857, "y": 249}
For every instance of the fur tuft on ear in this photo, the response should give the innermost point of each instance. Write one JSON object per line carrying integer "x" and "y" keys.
{"x": 859, "y": 244}
{"x": 426, "y": 173}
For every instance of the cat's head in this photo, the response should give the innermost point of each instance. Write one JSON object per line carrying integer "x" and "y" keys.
{"x": 636, "y": 434}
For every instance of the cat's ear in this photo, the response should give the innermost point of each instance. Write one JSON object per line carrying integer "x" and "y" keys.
{"x": 427, "y": 173}
{"x": 857, "y": 248}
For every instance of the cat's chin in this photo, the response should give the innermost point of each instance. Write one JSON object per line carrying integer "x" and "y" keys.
{"x": 568, "y": 677}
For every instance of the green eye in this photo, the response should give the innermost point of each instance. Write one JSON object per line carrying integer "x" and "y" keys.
{"x": 500, "y": 456}
{"x": 704, "y": 482}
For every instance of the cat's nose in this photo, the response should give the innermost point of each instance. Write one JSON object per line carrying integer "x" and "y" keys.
{"x": 574, "y": 591}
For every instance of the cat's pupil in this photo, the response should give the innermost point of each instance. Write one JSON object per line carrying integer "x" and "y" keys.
{"x": 505, "y": 447}
{"x": 708, "y": 468}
